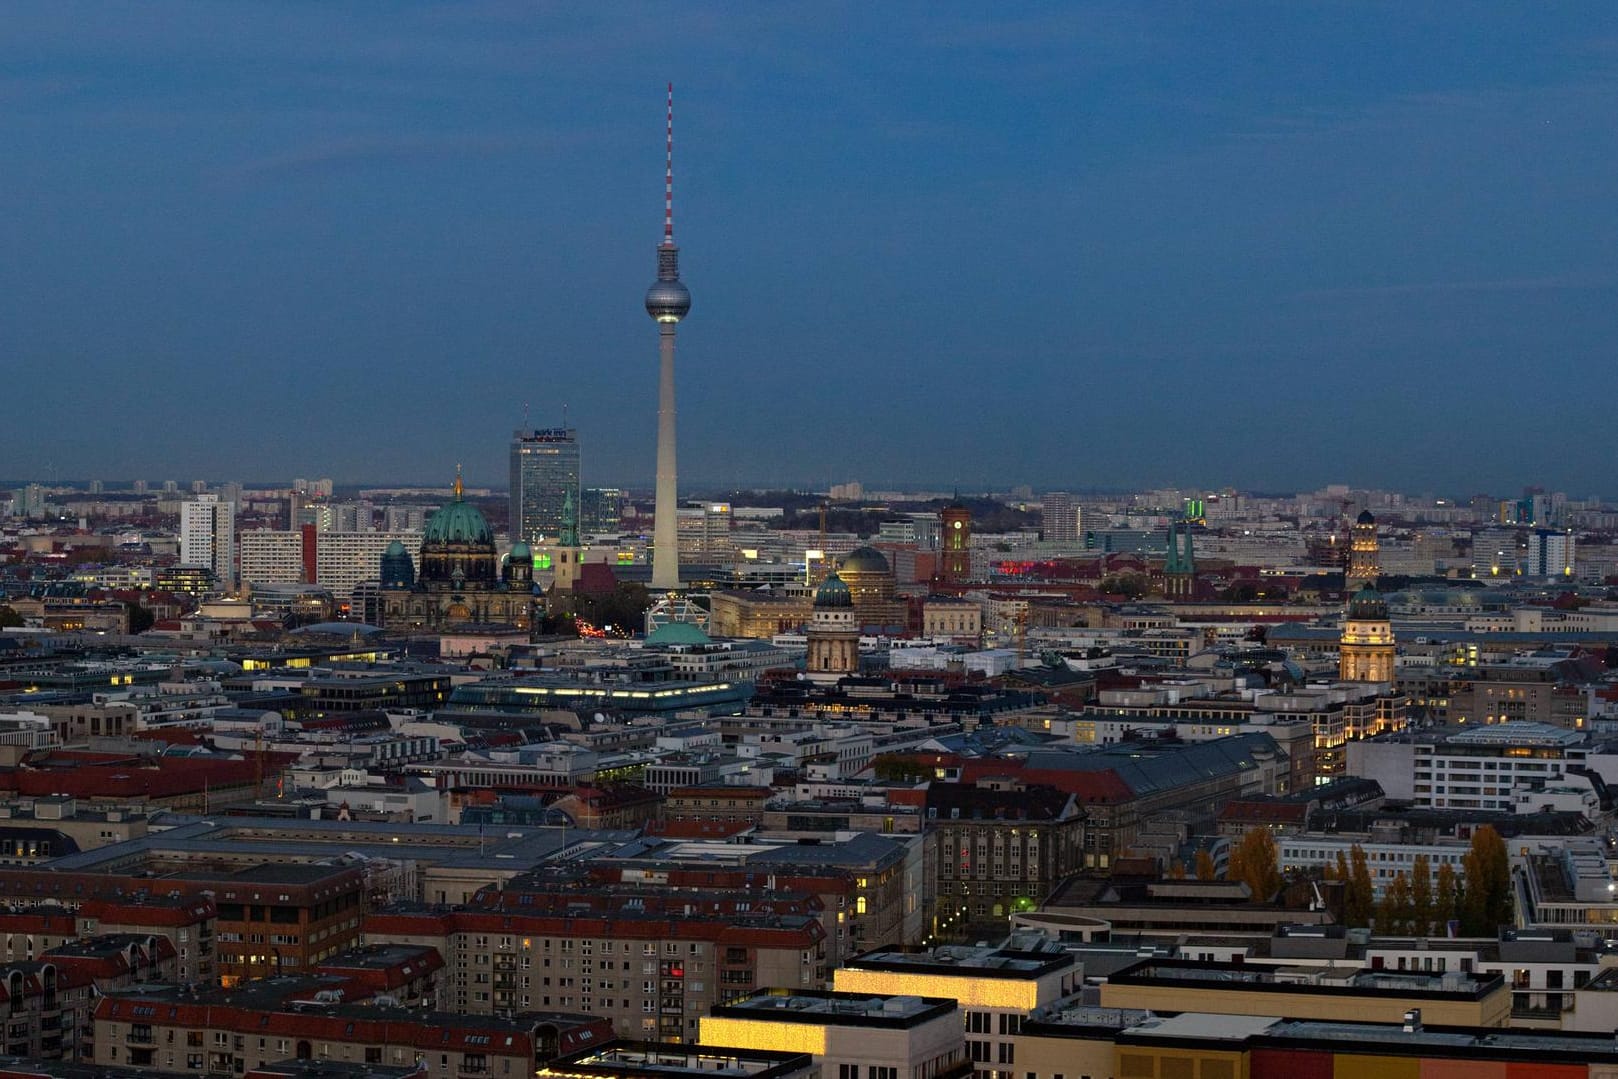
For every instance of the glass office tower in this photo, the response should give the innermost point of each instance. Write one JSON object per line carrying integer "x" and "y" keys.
{"x": 544, "y": 471}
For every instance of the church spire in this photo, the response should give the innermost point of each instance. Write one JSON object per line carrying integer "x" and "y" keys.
{"x": 459, "y": 486}
{"x": 570, "y": 521}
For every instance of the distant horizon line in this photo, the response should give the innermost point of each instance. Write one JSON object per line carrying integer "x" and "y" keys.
{"x": 704, "y": 489}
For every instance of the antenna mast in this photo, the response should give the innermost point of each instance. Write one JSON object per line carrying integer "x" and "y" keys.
{"x": 668, "y": 178}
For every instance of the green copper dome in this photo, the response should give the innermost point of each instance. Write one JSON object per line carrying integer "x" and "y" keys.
{"x": 866, "y": 560}
{"x": 520, "y": 552}
{"x": 1368, "y": 605}
{"x": 833, "y": 592}
{"x": 458, "y": 522}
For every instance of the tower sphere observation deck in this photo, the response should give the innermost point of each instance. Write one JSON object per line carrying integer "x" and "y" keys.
{"x": 668, "y": 300}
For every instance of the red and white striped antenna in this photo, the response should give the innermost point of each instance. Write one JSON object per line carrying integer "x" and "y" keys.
{"x": 668, "y": 179}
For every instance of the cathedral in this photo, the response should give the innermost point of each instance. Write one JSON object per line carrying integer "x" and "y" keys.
{"x": 461, "y": 580}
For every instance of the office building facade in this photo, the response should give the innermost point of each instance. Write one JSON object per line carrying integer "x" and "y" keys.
{"x": 544, "y": 473}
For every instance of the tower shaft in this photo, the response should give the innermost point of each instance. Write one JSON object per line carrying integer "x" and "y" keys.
{"x": 666, "y": 532}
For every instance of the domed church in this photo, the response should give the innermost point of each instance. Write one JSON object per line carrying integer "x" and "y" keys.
{"x": 461, "y": 579}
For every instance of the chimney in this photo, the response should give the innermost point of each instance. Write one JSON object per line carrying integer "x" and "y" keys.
{"x": 1413, "y": 1021}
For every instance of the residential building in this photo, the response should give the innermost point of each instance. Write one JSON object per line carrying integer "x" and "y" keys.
{"x": 208, "y": 537}
{"x": 850, "y": 1035}
{"x": 996, "y": 989}
{"x": 650, "y": 960}
{"x": 232, "y": 1031}
{"x": 1453, "y": 998}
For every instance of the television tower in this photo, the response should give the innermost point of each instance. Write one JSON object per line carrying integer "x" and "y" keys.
{"x": 667, "y": 301}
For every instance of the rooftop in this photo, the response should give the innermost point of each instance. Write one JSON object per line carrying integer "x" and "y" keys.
{"x": 841, "y": 1009}
{"x": 623, "y": 1059}
{"x": 982, "y": 962}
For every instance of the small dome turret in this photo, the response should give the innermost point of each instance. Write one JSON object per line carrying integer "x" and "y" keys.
{"x": 1367, "y": 605}
{"x": 833, "y": 593}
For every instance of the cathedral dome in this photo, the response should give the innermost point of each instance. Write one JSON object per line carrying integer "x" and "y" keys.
{"x": 520, "y": 552}
{"x": 458, "y": 522}
{"x": 457, "y": 546}
{"x": 865, "y": 560}
{"x": 1365, "y": 518}
{"x": 1367, "y": 605}
{"x": 833, "y": 593}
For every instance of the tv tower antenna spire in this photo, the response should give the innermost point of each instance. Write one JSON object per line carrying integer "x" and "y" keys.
{"x": 668, "y": 178}
{"x": 667, "y": 301}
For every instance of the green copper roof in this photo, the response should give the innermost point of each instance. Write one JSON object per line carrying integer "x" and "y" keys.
{"x": 1368, "y": 604}
{"x": 833, "y": 592}
{"x": 458, "y": 522}
{"x": 678, "y": 633}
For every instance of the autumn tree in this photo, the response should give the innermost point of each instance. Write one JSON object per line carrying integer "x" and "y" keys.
{"x": 1486, "y": 896}
{"x": 1393, "y": 914}
{"x": 1421, "y": 895}
{"x": 1359, "y": 900}
{"x": 1254, "y": 862}
{"x": 1205, "y": 866}
{"x": 1446, "y": 899}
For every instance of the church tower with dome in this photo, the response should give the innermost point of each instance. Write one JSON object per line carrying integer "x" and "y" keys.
{"x": 1364, "y": 553}
{"x": 460, "y": 579}
{"x": 834, "y": 633}
{"x": 1365, "y": 648}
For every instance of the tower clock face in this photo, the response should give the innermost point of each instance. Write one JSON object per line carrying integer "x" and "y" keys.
{"x": 957, "y": 524}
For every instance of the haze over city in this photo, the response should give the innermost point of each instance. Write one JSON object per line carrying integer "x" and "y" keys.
{"x": 1077, "y": 245}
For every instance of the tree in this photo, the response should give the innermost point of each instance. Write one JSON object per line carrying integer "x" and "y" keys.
{"x": 1447, "y": 900}
{"x": 1421, "y": 895}
{"x": 895, "y": 768}
{"x": 1359, "y": 901}
{"x": 1254, "y": 863}
{"x": 1486, "y": 894}
{"x": 1128, "y": 585}
{"x": 9, "y": 619}
{"x": 1176, "y": 870}
{"x": 140, "y": 619}
{"x": 1393, "y": 913}
{"x": 1205, "y": 866}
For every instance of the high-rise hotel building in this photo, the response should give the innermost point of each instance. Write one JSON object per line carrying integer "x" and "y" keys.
{"x": 544, "y": 472}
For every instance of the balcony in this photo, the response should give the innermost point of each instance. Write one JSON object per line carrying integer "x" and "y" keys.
{"x": 142, "y": 1035}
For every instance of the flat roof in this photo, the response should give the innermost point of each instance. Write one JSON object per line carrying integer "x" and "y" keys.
{"x": 1185, "y": 973}
{"x": 974, "y": 962}
{"x": 827, "y": 1007}
{"x": 622, "y": 1058}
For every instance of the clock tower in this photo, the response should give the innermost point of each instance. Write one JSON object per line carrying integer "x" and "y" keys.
{"x": 955, "y": 556}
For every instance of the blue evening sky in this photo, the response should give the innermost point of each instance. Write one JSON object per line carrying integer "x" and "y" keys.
{"x": 1264, "y": 244}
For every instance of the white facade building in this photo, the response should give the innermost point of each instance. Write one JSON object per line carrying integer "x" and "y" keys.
{"x": 208, "y": 537}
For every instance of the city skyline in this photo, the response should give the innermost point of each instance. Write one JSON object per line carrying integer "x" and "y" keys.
{"x": 1276, "y": 245}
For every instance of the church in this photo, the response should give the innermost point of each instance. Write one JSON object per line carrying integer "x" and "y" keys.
{"x": 461, "y": 580}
